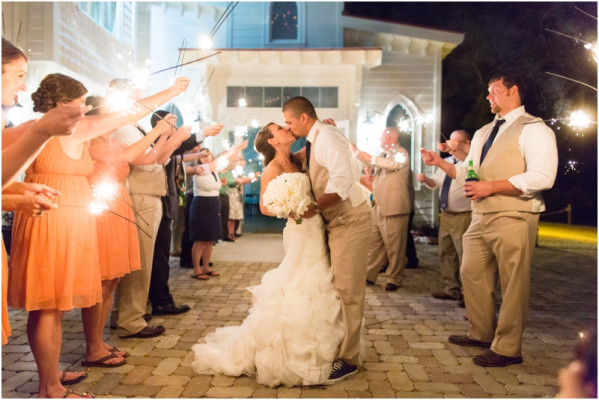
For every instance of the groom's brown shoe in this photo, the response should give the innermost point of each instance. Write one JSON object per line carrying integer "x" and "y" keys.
{"x": 491, "y": 359}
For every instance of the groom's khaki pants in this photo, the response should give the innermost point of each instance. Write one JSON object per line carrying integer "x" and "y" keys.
{"x": 348, "y": 237}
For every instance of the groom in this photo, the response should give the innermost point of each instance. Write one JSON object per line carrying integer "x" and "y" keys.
{"x": 335, "y": 177}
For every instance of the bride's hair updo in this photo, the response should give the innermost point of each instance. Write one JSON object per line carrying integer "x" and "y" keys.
{"x": 263, "y": 147}
{"x": 55, "y": 89}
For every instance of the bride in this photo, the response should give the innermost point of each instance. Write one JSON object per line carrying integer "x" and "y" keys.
{"x": 293, "y": 331}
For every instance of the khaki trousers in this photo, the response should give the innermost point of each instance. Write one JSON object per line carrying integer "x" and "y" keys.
{"x": 451, "y": 228}
{"x": 132, "y": 291}
{"x": 388, "y": 242}
{"x": 348, "y": 243}
{"x": 499, "y": 243}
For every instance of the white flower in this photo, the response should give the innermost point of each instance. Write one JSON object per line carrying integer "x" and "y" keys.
{"x": 287, "y": 194}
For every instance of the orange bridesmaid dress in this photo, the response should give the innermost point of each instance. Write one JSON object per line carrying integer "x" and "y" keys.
{"x": 54, "y": 257}
{"x": 118, "y": 244}
{"x": 5, "y": 322}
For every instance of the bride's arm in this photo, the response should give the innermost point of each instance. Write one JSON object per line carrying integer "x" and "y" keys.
{"x": 269, "y": 173}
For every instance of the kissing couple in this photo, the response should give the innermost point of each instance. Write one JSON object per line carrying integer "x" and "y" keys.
{"x": 303, "y": 327}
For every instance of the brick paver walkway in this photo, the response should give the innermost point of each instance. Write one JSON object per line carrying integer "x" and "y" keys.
{"x": 406, "y": 353}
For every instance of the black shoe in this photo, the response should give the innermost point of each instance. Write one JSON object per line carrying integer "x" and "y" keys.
{"x": 147, "y": 317}
{"x": 444, "y": 296}
{"x": 228, "y": 240}
{"x": 240, "y": 235}
{"x": 185, "y": 265}
{"x": 412, "y": 265}
{"x": 466, "y": 341}
{"x": 491, "y": 359}
{"x": 170, "y": 309}
{"x": 149, "y": 331}
{"x": 391, "y": 287}
{"x": 340, "y": 371}
{"x": 461, "y": 304}
{"x": 370, "y": 283}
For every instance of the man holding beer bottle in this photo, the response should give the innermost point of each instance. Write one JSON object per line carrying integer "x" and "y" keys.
{"x": 516, "y": 158}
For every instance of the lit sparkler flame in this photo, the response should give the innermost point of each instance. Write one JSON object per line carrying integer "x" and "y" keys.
{"x": 254, "y": 124}
{"x": 105, "y": 191}
{"x": 222, "y": 163}
{"x": 425, "y": 119}
{"x": 242, "y": 102}
{"x": 241, "y": 131}
{"x": 578, "y": 120}
{"x": 405, "y": 126}
{"x": 205, "y": 43}
{"x": 594, "y": 49}
{"x": 97, "y": 206}
{"x": 226, "y": 144}
{"x": 399, "y": 158}
{"x": 238, "y": 171}
{"x": 252, "y": 175}
{"x": 140, "y": 78}
{"x": 121, "y": 101}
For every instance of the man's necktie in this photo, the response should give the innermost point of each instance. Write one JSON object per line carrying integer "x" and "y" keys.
{"x": 308, "y": 145}
{"x": 490, "y": 139}
{"x": 444, "y": 199}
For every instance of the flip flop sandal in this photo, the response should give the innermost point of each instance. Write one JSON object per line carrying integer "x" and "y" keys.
{"x": 65, "y": 381}
{"x": 101, "y": 363}
{"x": 83, "y": 395}
{"x": 212, "y": 273}
{"x": 200, "y": 277}
{"x": 116, "y": 350}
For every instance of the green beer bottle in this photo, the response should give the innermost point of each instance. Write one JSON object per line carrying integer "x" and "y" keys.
{"x": 471, "y": 176}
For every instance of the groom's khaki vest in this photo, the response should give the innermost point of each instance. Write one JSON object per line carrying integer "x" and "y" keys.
{"x": 503, "y": 161}
{"x": 319, "y": 176}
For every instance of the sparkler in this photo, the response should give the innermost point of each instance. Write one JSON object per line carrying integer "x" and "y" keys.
{"x": 577, "y": 120}
{"x": 242, "y": 102}
{"x": 222, "y": 18}
{"x": 155, "y": 113}
{"x": 208, "y": 80}
{"x": 241, "y": 132}
{"x": 187, "y": 63}
{"x": 221, "y": 163}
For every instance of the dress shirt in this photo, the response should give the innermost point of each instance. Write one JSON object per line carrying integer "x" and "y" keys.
{"x": 333, "y": 151}
{"x": 456, "y": 201}
{"x": 537, "y": 146}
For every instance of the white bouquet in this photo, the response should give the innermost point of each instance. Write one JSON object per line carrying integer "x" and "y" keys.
{"x": 286, "y": 195}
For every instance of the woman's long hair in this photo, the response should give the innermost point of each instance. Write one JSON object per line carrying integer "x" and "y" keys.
{"x": 55, "y": 89}
{"x": 10, "y": 53}
{"x": 263, "y": 147}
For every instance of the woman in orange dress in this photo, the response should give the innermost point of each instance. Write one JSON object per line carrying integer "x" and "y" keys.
{"x": 54, "y": 261}
{"x": 118, "y": 244}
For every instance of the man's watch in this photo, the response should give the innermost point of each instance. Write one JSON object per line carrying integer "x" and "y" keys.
{"x": 315, "y": 208}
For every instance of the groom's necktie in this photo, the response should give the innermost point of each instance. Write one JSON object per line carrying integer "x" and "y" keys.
{"x": 308, "y": 145}
{"x": 490, "y": 139}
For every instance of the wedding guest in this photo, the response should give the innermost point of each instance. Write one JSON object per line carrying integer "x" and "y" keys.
{"x": 146, "y": 183}
{"x": 20, "y": 145}
{"x": 186, "y": 243}
{"x": 515, "y": 160}
{"x": 455, "y": 217}
{"x": 160, "y": 297}
{"x": 118, "y": 243}
{"x": 392, "y": 199}
{"x": 55, "y": 263}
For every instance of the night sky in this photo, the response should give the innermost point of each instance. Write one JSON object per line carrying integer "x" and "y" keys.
{"x": 516, "y": 35}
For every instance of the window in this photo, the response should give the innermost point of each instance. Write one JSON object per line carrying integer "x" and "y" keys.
{"x": 286, "y": 25}
{"x": 283, "y": 21}
{"x": 402, "y": 119}
{"x": 276, "y": 96}
{"x": 104, "y": 13}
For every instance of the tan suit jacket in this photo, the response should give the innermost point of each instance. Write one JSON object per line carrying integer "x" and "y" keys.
{"x": 392, "y": 188}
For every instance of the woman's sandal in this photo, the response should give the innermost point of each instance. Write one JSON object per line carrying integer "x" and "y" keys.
{"x": 78, "y": 379}
{"x": 201, "y": 276}
{"x": 119, "y": 352}
{"x": 102, "y": 362}
{"x": 83, "y": 395}
{"x": 212, "y": 273}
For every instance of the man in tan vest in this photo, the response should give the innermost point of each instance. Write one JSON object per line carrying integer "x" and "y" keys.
{"x": 516, "y": 158}
{"x": 342, "y": 202}
{"x": 393, "y": 196}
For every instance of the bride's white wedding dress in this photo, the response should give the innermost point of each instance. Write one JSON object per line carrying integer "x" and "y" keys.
{"x": 293, "y": 330}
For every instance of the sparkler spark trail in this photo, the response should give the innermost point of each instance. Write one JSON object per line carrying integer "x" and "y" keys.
{"x": 577, "y": 120}
{"x": 208, "y": 80}
{"x": 573, "y": 80}
{"x": 155, "y": 113}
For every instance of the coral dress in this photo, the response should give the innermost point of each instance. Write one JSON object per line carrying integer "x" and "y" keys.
{"x": 5, "y": 322}
{"x": 54, "y": 258}
{"x": 117, "y": 234}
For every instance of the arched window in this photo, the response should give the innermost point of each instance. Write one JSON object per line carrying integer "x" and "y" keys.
{"x": 400, "y": 117}
{"x": 283, "y": 21}
{"x": 286, "y": 26}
